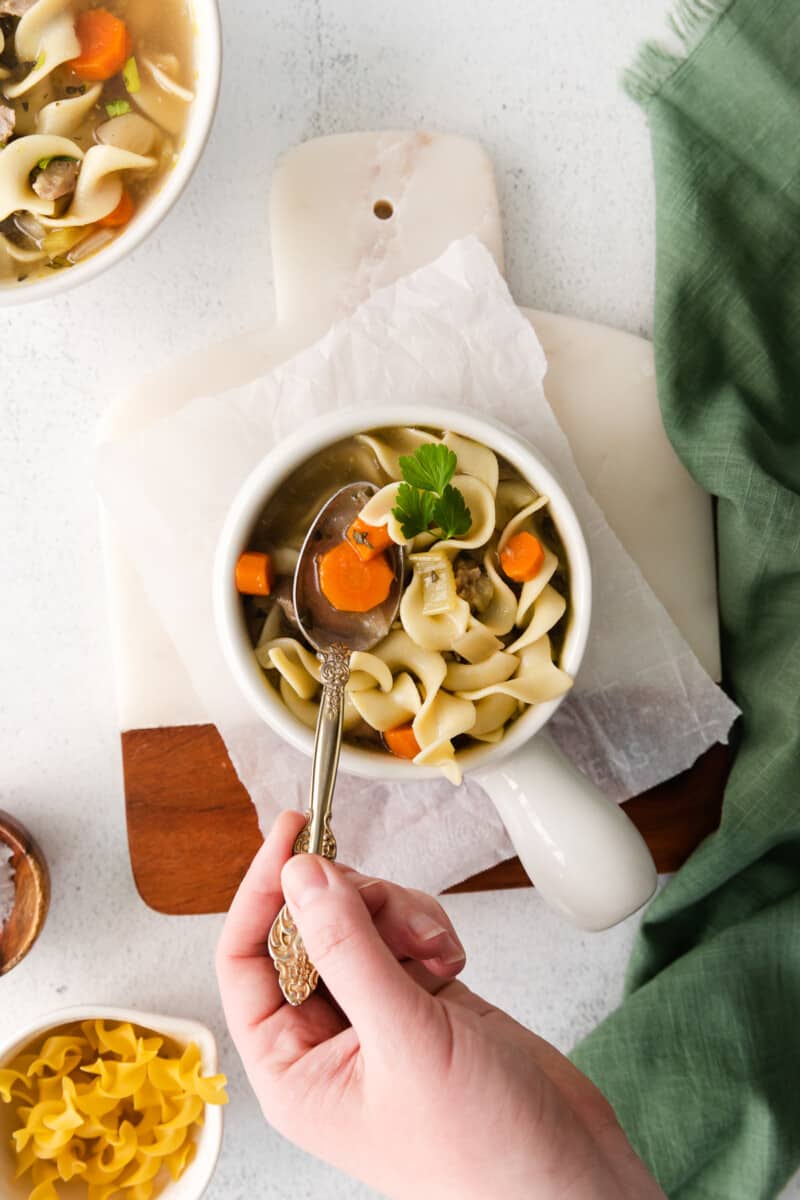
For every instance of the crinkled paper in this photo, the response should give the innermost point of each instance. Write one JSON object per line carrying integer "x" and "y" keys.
{"x": 643, "y": 708}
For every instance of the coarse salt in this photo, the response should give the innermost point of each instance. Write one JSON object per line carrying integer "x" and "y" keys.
{"x": 7, "y": 889}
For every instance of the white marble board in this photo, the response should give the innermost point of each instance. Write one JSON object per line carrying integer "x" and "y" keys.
{"x": 330, "y": 250}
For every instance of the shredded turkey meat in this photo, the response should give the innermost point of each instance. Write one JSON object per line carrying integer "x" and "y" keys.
{"x": 57, "y": 179}
{"x": 472, "y": 583}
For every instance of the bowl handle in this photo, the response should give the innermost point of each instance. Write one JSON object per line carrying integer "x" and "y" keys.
{"x": 585, "y": 856}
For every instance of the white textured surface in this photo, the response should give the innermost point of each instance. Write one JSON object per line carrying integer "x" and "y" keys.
{"x": 536, "y": 82}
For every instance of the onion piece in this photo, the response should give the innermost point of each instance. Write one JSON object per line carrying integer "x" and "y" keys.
{"x": 90, "y": 245}
{"x": 168, "y": 62}
{"x": 27, "y": 224}
{"x": 168, "y": 84}
{"x": 131, "y": 131}
{"x": 438, "y": 583}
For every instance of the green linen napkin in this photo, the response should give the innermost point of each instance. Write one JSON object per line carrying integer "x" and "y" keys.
{"x": 702, "y": 1059}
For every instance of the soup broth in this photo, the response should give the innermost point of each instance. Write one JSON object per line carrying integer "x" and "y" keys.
{"x": 93, "y": 104}
{"x": 453, "y": 672}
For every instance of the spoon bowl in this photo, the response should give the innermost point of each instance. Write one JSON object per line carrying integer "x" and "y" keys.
{"x": 321, "y": 624}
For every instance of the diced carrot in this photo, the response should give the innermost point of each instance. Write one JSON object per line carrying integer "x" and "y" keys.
{"x": 368, "y": 540}
{"x": 351, "y": 585}
{"x": 105, "y": 45}
{"x": 401, "y": 741}
{"x": 121, "y": 214}
{"x": 522, "y": 557}
{"x": 254, "y": 574}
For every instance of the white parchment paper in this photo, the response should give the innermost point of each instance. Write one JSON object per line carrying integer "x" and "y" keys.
{"x": 643, "y": 708}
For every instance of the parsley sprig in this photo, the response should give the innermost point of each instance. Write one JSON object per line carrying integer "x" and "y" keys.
{"x": 426, "y": 499}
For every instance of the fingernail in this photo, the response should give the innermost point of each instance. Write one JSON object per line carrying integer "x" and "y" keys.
{"x": 362, "y": 887}
{"x": 424, "y": 927}
{"x": 303, "y": 879}
{"x": 457, "y": 954}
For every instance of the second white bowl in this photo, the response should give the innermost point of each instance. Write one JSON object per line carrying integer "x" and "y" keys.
{"x": 196, "y": 1178}
{"x": 204, "y": 15}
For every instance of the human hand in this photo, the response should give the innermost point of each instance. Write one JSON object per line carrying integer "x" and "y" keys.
{"x": 409, "y": 1081}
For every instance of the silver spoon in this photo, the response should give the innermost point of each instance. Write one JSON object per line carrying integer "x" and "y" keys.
{"x": 335, "y": 636}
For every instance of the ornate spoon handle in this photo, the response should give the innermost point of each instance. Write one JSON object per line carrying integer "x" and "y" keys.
{"x": 297, "y": 975}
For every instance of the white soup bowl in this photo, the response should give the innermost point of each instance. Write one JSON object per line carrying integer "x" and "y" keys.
{"x": 584, "y": 854}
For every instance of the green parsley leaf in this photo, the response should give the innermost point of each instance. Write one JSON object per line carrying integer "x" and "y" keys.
{"x": 414, "y": 509}
{"x": 427, "y": 497}
{"x": 118, "y": 108}
{"x": 130, "y": 76}
{"x": 431, "y": 467}
{"x": 451, "y": 513}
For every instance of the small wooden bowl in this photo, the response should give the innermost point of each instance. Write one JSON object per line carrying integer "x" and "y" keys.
{"x": 32, "y": 880}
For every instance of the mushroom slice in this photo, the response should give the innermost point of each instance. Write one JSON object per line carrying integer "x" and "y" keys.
{"x": 19, "y": 253}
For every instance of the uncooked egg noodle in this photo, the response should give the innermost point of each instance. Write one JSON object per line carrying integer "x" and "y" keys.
{"x": 108, "y": 1106}
{"x": 460, "y": 671}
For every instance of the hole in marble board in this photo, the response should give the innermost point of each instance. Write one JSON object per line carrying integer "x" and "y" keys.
{"x": 383, "y": 209}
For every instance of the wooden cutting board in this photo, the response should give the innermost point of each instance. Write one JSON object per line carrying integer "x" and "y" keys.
{"x": 350, "y": 214}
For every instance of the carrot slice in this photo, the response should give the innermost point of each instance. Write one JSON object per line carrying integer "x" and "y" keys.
{"x": 402, "y": 741}
{"x": 105, "y": 45}
{"x": 522, "y": 557}
{"x": 121, "y": 214}
{"x": 368, "y": 540}
{"x": 254, "y": 574}
{"x": 351, "y": 585}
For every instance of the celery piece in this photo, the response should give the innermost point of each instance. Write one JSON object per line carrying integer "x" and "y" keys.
{"x": 118, "y": 108}
{"x": 130, "y": 76}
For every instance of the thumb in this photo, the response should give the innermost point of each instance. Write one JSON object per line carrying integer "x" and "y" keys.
{"x": 358, "y": 968}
